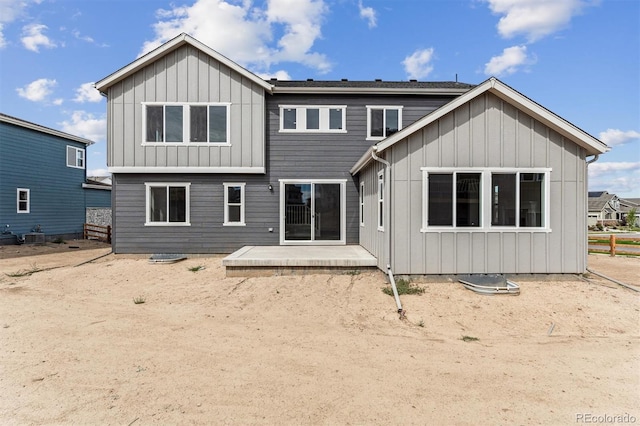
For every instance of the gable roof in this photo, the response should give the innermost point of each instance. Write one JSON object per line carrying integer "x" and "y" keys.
{"x": 592, "y": 145}
{"x": 170, "y": 46}
{"x": 4, "y": 118}
{"x": 598, "y": 200}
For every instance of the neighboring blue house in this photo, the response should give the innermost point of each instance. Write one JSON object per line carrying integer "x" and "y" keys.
{"x": 42, "y": 172}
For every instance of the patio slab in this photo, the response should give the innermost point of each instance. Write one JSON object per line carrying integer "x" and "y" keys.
{"x": 269, "y": 260}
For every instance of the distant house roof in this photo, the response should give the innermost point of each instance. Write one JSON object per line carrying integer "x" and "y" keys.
{"x": 372, "y": 86}
{"x": 171, "y": 45}
{"x": 37, "y": 127}
{"x": 598, "y": 200}
{"x": 591, "y": 145}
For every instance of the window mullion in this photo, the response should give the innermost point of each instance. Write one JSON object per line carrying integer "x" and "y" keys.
{"x": 517, "y": 206}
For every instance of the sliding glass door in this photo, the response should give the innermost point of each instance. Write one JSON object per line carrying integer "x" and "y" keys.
{"x": 312, "y": 212}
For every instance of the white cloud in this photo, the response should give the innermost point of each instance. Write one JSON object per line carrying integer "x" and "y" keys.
{"x": 87, "y": 93}
{"x": 535, "y": 19}
{"x": 418, "y": 64}
{"x": 10, "y": 10}
{"x": 280, "y": 75}
{"x": 246, "y": 34}
{"x": 613, "y": 137}
{"x": 33, "y": 37}
{"x": 85, "y": 125}
{"x": 37, "y": 90}
{"x": 620, "y": 178}
{"x": 509, "y": 62}
{"x": 369, "y": 14}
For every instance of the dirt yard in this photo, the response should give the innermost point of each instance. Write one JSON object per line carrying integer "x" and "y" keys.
{"x": 316, "y": 349}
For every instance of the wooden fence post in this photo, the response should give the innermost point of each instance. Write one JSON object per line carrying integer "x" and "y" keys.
{"x": 109, "y": 234}
{"x": 612, "y": 244}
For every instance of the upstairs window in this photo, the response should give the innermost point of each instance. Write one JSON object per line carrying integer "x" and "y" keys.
{"x": 383, "y": 121}
{"x": 75, "y": 157}
{"x": 186, "y": 123}
{"x": 311, "y": 118}
{"x": 23, "y": 202}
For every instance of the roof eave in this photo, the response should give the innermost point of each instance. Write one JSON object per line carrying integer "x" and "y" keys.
{"x": 178, "y": 41}
{"x": 367, "y": 90}
{"x": 43, "y": 129}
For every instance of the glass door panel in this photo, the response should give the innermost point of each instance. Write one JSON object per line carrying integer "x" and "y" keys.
{"x": 297, "y": 212}
{"x": 327, "y": 211}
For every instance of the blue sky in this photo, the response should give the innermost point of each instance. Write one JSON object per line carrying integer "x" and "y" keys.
{"x": 578, "y": 58}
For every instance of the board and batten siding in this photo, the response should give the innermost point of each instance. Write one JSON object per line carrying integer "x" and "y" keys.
{"x": 186, "y": 75}
{"x": 487, "y": 132}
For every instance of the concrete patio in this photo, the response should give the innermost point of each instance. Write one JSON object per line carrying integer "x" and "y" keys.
{"x": 291, "y": 260}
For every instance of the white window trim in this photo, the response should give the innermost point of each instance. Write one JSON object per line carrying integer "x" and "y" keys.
{"x": 381, "y": 200}
{"x": 187, "y": 196}
{"x": 226, "y": 204}
{"x": 28, "y": 200}
{"x": 74, "y": 163}
{"x": 361, "y": 203}
{"x": 186, "y": 127}
{"x": 485, "y": 201}
{"x": 384, "y": 116}
{"x": 301, "y": 118}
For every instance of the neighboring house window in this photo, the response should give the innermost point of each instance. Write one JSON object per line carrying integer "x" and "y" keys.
{"x": 381, "y": 200}
{"x": 23, "y": 202}
{"x": 312, "y": 118}
{"x": 186, "y": 123}
{"x": 462, "y": 198}
{"x": 361, "y": 203}
{"x": 383, "y": 121}
{"x": 75, "y": 157}
{"x": 167, "y": 203}
{"x": 234, "y": 204}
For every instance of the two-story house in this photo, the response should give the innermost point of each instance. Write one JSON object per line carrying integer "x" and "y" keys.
{"x": 42, "y": 172}
{"x": 206, "y": 157}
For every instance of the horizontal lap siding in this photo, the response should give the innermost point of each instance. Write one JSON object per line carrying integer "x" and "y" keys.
{"x": 331, "y": 156}
{"x": 206, "y": 233}
{"x": 488, "y": 132}
{"x": 38, "y": 161}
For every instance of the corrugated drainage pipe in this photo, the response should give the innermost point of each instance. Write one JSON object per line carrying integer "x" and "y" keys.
{"x": 395, "y": 289}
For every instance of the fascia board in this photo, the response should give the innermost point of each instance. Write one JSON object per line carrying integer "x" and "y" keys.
{"x": 364, "y": 90}
{"x": 167, "y": 47}
{"x": 42, "y": 129}
{"x": 362, "y": 162}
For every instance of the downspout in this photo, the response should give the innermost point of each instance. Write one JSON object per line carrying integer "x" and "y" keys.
{"x": 387, "y": 204}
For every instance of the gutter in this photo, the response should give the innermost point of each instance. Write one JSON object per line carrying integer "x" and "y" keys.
{"x": 387, "y": 188}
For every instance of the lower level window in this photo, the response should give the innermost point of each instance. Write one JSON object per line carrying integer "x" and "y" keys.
{"x": 167, "y": 203}
{"x": 23, "y": 200}
{"x": 454, "y": 198}
{"x": 486, "y": 198}
{"x": 234, "y": 204}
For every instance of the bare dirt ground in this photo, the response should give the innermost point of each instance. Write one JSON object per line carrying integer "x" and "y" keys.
{"x": 315, "y": 349}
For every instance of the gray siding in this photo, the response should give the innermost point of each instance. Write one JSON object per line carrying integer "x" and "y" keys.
{"x": 289, "y": 156}
{"x": 331, "y": 155}
{"x": 487, "y": 132}
{"x": 186, "y": 75}
{"x": 206, "y": 233}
